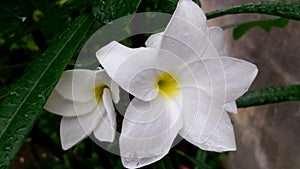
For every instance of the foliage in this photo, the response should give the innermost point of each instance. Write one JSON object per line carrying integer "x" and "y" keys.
{"x": 270, "y": 95}
{"x": 283, "y": 9}
{"x": 266, "y": 25}
{"x": 39, "y": 42}
{"x": 28, "y": 95}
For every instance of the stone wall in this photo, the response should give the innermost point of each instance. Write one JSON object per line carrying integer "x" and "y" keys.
{"x": 268, "y": 136}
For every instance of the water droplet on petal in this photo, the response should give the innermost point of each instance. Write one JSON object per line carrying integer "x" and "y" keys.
{"x": 129, "y": 155}
{"x": 186, "y": 33}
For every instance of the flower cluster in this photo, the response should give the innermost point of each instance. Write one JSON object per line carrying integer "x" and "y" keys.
{"x": 183, "y": 83}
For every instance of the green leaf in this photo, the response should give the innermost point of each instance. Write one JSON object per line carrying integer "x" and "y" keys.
{"x": 269, "y": 95}
{"x": 167, "y": 6}
{"x": 191, "y": 159}
{"x": 159, "y": 165}
{"x": 108, "y": 10}
{"x": 266, "y": 25}
{"x": 20, "y": 109}
{"x": 199, "y": 161}
{"x": 164, "y": 163}
{"x": 3, "y": 92}
{"x": 22, "y": 17}
{"x": 201, "y": 155}
{"x": 283, "y": 9}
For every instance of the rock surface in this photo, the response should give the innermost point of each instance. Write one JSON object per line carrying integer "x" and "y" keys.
{"x": 267, "y": 136}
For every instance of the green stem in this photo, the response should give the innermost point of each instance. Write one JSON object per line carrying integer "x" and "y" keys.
{"x": 269, "y": 95}
{"x": 290, "y": 10}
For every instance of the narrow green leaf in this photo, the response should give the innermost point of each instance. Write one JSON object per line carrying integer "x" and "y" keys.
{"x": 290, "y": 10}
{"x": 159, "y": 165}
{"x": 269, "y": 95}
{"x": 198, "y": 161}
{"x": 201, "y": 155}
{"x": 167, "y": 162}
{"x": 20, "y": 109}
{"x": 3, "y": 92}
{"x": 191, "y": 159}
{"x": 167, "y": 6}
{"x": 108, "y": 10}
{"x": 266, "y": 25}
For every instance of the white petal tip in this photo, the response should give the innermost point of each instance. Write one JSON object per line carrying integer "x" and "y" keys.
{"x": 231, "y": 107}
{"x": 104, "y": 50}
{"x": 66, "y": 146}
{"x": 218, "y": 149}
{"x": 140, "y": 162}
{"x": 106, "y": 138}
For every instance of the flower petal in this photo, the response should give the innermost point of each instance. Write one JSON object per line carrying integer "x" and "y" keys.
{"x": 192, "y": 42}
{"x": 102, "y": 77}
{"x": 216, "y": 36}
{"x": 58, "y": 105}
{"x": 124, "y": 102}
{"x": 132, "y": 69}
{"x": 154, "y": 40}
{"x": 109, "y": 107}
{"x": 74, "y": 129}
{"x": 106, "y": 129}
{"x": 143, "y": 142}
{"x": 77, "y": 85}
{"x": 201, "y": 114}
{"x": 231, "y": 107}
{"x": 191, "y": 12}
{"x": 221, "y": 140}
{"x": 239, "y": 75}
{"x": 223, "y": 78}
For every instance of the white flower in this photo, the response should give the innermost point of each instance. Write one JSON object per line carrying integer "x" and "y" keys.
{"x": 183, "y": 83}
{"x": 84, "y": 99}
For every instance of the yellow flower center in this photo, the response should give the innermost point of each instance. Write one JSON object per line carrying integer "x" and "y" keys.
{"x": 167, "y": 85}
{"x": 99, "y": 91}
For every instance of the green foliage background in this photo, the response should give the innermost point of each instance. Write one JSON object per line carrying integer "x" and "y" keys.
{"x": 39, "y": 39}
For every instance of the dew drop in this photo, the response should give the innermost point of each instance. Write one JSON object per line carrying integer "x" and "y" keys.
{"x": 129, "y": 155}
{"x": 8, "y": 148}
{"x": 23, "y": 19}
{"x": 186, "y": 33}
{"x": 41, "y": 96}
{"x": 21, "y": 129}
{"x": 14, "y": 93}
